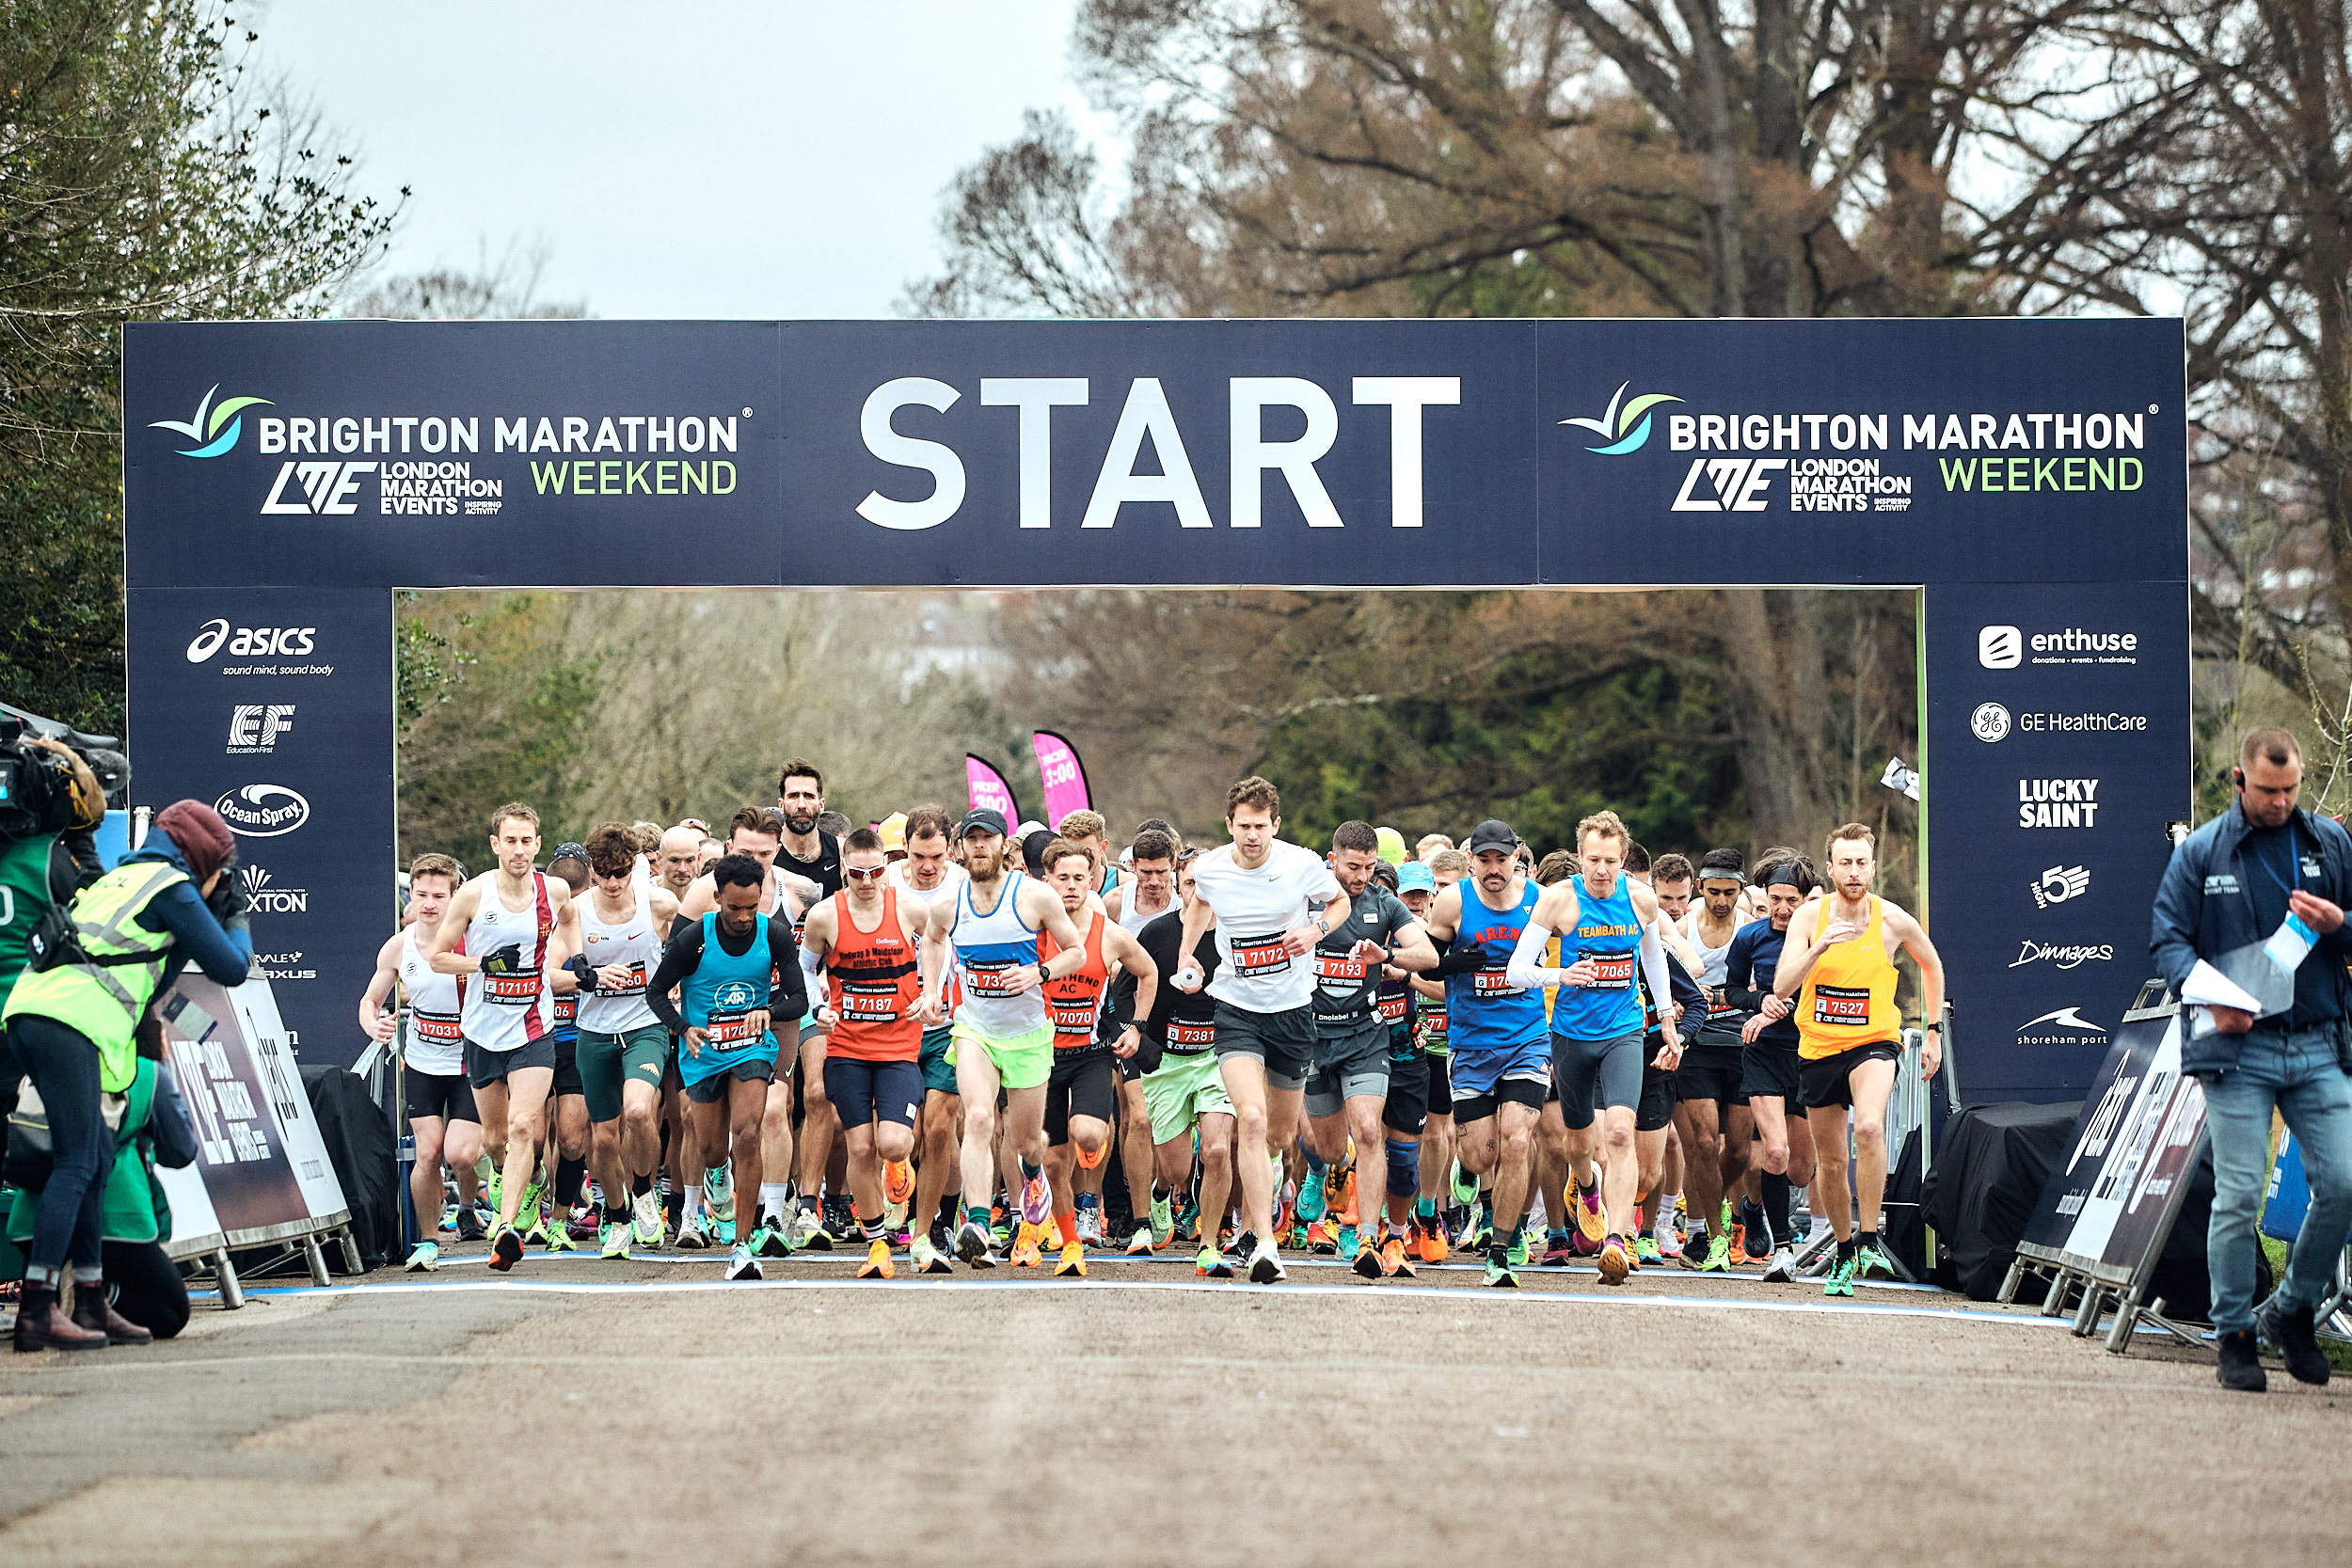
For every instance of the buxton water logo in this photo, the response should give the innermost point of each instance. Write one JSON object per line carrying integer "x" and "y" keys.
{"x": 205, "y": 428}
{"x": 1616, "y": 426}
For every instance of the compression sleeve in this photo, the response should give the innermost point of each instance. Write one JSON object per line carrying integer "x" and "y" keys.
{"x": 1654, "y": 970}
{"x": 812, "y": 965}
{"x": 680, "y": 957}
{"x": 1468, "y": 960}
{"x": 788, "y": 1002}
{"x": 1523, "y": 973}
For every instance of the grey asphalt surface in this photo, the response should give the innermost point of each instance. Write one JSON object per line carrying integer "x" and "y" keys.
{"x": 581, "y": 1412}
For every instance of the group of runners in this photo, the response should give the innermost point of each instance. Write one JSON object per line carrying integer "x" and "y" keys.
{"x": 923, "y": 1038}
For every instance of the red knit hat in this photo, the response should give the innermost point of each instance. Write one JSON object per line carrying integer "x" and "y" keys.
{"x": 203, "y": 838}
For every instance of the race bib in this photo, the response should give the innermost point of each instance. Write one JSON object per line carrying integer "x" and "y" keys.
{"x": 1191, "y": 1037}
{"x": 435, "y": 1027}
{"x": 1843, "y": 1007}
{"x": 1396, "y": 1007}
{"x": 1611, "y": 970}
{"x": 732, "y": 1029}
{"x": 990, "y": 980}
{"x": 1073, "y": 1021}
{"x": 635, "y": 986}
{"x": 1255, "y": 957}
{"x": 566, "y": 1009}
{"x": 1338, "y": 977}
{"x": 868, "y": 1001}
{"x": 511, "y": 990}
{"x": 1490, "y": 982}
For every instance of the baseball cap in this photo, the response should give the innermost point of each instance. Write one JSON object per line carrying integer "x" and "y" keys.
{"x": 893, "y": 832}
{"x": 1033, "y": 844}
{"x": 1491, "y": 835}
{"x": 1392, "y": 844}
{"x": 1413, "y": 874}
{"x": 569, "y": 851}
{"x": 981, "y": 819}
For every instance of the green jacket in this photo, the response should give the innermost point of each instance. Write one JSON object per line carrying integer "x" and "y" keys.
{"x": 134, "y": 1209}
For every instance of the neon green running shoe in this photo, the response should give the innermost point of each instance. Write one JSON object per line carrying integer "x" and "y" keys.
{"x": 1163, "y": 1221}
{"x": 1211, "y": 1264}
{"x": 1518, "y": 1250}
{"x": 1465, "y": 1186}
{"x": 1645, "y": 1249}
{"x": 612, "y": 1239}
{"x": 1718, "y": 1255}
{"x": 1840, "y": 1282}
{"x": 560, "y": 1236}
{"x": 1872, "y": 1258}
{"x": 1498, "y": 1276}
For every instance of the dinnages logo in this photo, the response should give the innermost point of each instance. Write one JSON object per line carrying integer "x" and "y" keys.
{"x": 1619, "y": 434}
{"x": 205, "y": 429}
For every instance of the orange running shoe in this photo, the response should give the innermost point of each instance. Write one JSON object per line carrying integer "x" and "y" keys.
{"x": 1073, "y": 1263}
{"x": 1434, "y": 1248}
{"x": 1320, "y": 1239}
{"x": 1025, "y": 1253}
{"x": 1346, "y": 1212}
{"x": 877, "y": 1264}
{"x": 897, "y": 1181}
{"x": 1614, "y": 1261}
{"x": 1395, "y": 1262}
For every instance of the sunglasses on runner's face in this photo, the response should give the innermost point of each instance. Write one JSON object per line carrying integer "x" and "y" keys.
{"x": 857, "y": 874}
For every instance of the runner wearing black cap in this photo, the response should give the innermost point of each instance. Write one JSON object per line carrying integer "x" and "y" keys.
{"x": 1270, "y": 904}
{"x": 1768, "y": 1074}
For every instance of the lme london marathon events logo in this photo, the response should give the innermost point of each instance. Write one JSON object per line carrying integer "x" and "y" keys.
{"x": 1978, "y": 453}
{"x": 424, "y": 464}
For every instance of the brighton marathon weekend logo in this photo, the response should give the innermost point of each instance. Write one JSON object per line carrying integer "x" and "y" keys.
{"x": 426, "y": 465}
{"x": 262, "y": 810}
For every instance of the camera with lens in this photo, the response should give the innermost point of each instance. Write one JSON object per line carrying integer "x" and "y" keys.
{"x": 36, "y": 785}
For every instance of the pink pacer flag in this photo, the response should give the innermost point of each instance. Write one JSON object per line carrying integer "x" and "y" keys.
{"x": 987, "y": 788}
{"x": 1065, "y": 776}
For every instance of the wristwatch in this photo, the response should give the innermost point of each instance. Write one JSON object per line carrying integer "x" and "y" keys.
{"x": 1044, "y": 974}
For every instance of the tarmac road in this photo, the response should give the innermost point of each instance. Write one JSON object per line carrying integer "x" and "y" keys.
{"x": 581, "y": 1413}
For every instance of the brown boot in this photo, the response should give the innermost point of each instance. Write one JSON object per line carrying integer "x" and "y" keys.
{"x": 42, "y": 1324}
{"x": 92, "y": 1310}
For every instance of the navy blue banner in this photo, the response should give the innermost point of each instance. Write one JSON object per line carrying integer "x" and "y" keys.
{"x": 2029, "y": 476}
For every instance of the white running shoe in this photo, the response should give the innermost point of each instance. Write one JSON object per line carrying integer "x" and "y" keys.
{"x": 742, "y": 1265}
{"x": 646, "y": 1210}
{"x": 1266, "y": 1264}
{"x": 1091, "y": 1227}
{"x": 690, "y": 1235}
{"x": 1783, "y": 1267}
{"x": 719, "y": 1194}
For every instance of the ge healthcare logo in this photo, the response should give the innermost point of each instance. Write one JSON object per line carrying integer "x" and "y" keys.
{"x": 2059, "y": 883}
{"x": 1989, "y": 722}
{"x": 2000, "y": 647}
{"x": 262, "y": 811}
{"x": 1615, "y": 427}
{"x": 212, "y": 441}
{"x": 2062, "y": 1026}
{"x": 2062, "y": 955}
{"x": 267, "y": 899}
{"x": 254, "y": 727}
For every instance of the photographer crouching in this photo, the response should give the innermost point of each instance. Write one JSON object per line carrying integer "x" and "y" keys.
{"x": 2267, "y": 874}
{"x": 73, "y": 1022}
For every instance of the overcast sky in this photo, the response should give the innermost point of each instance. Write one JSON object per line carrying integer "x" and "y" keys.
{"x": 763, "y": 161}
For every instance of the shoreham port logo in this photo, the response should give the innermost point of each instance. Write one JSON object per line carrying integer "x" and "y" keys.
{"x": 205, "y": 430}
{"x": 1616, "y": 426}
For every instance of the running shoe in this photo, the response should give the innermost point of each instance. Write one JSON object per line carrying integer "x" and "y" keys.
{"x": 1558, "y": 1254}
{"x": 841, "y": 1222}
{"x": 534, "y": 1226}
{"x": 507, "y": 1250}
{"x": 1670, "y": 1241}
{"x": 1736, "y": 1240}
{"x": 1694, "y": 1253}
{"x": 805, "y": 1229}
{"x": 646, "y": 1210}
{"x": 470, "y": 1225}
{"x": 1265, "y": 1265}
{"x": 1367, "y": 1261}
{"x": 1433, "y": 1239}
{"x": 1465, "y": 1186}
{"x": 719, "y": 1193}
{"x": 1481, "y": 1229}
{"x": 1140, "y": 1245}
{"x": 583, "y": 1225}
{"x": 614, "y": 1243}
{"x": 1871, "y": 1258}
{"x": 496, "y": 1190}
{"x": 1000, "y": 1225}
{"x": 1311, "y": 1202}
{"x": 1321, "y": 1240}
{"x": 560, "y": 1237}
{"x": 1348, "y": 1213}
{"x": 424, "y": 1259}
{"x": 1037, "y": 1199}
{"x": 877, "y": 1264}
{"x": 1645, "y": 1251}
{"x": 742, "y": 1265}
{"x": 1073, "y": 1263}
{"x": 926, "y": 1257}
{"x": 1782, "y": 1270}
{"x": 1519, "y": 1249}
{"x": 1163, "y": 1222}
{"x": 449, "y": 1215}
{"x": 1395, "y": 1263}
{"x": 768, "y": 1242}
{"x": 1756, "y": 1241}
{"x": 1187, "y": 1221}
{"x": 690, "y": 1235}
{"x": 1840, "y": 1278}
{"x": 975, "y": 1246}
{"x": 1212, "y": 1264}
{"x": 1089, "y": 1225}
{"x": 1718, "y": 1259}
{"x": 1499, "y": 1275}
{"x": 1614, "y": 1266}
{"x": 531, "y": 1206}
{"x": 1590, "y": 1221}
{"x": 897, "y": 1181}
{"x": 1349, "y": 1243}
{"x": 1025, "y": 1253}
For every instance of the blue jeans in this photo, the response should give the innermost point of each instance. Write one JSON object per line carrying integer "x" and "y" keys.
{"x": 2297, "y": 1073}
{"x": 63, "y": 1064}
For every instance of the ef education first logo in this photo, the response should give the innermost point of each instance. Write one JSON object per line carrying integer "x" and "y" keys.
{"x": 205, "y": 429}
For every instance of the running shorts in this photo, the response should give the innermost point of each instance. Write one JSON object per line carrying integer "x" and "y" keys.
{"x": 865, "y": 1092}
{"x": 1655, "y": 1110}
{"x": 1709, "y": 1070}
{"x": 1185, "y": 1088}
{"x": 1770, "y": 1069}
{"x": 1407, "y": 1110}
{"x": 1084, "y": 1084}
{"x": 608, "y": 1061}
{"x": 1022, "y": 1061}
{"x": 1597, "y": 1073}
{"x": 1824, "y": 1079}
{"x": 1508, "y": 1091}
{"x": 706, "y": 1091}
{"x": 1477, "y": 1071}
{"x": 1285, "y": 1041}
{"x": 938, "y": 1060}
{"x": 446, "y": 1095}
{"x": 567, "y": 1068}
{"x": 486, "y": 1067}
{"x": 1440, "y": 1083}
{"x": 1348, "y": 1064}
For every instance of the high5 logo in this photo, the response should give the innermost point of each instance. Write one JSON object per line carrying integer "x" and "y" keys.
{"x": 205, "y": 429}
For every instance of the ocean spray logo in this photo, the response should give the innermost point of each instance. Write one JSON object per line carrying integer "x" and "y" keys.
{"x": 1613, "y": 425}
{"x": 213, "y": 441}
{"x": 262, "y": 811}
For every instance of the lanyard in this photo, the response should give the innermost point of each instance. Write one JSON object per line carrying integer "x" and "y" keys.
{"x": 2295, "y": 863}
